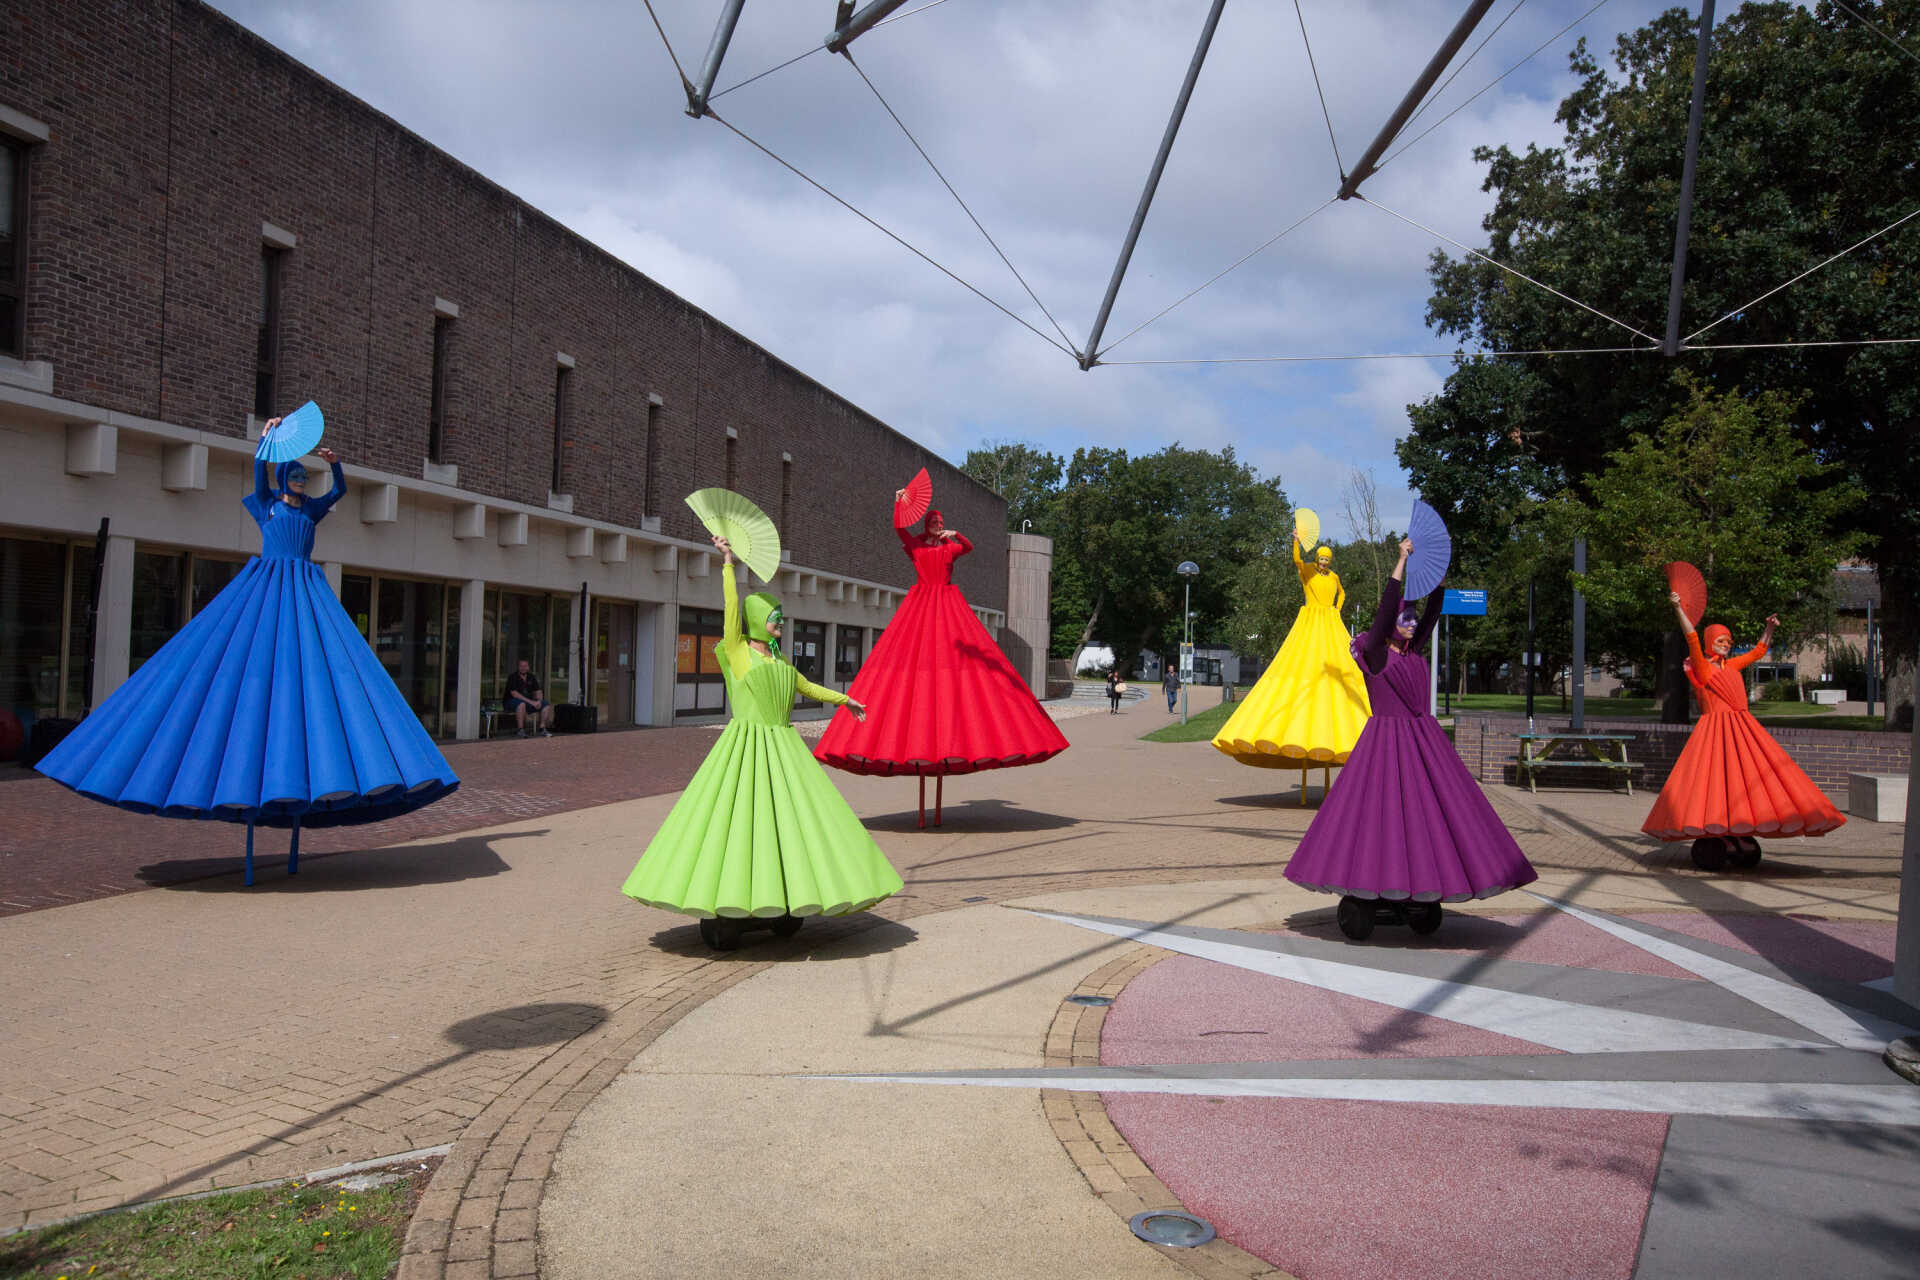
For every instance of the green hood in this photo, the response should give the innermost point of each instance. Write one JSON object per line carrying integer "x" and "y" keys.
{"x": 758, "y": 610}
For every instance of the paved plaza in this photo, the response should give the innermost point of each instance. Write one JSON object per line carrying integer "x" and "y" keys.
{"x": 1096, "y": 997}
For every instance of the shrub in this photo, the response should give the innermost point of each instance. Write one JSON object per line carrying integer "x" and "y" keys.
{"x": 1849, "y": 670}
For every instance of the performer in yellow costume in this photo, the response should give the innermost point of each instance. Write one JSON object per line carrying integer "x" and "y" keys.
{"x": 1309, "y": 707}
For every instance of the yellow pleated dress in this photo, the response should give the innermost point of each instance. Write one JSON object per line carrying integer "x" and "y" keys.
{"x": 1309, "y": 707}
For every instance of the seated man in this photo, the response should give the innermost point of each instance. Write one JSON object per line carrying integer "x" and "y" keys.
{"x": 523, "y": 696}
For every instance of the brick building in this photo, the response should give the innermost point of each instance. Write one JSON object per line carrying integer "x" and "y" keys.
{"x": 200, "y": 232}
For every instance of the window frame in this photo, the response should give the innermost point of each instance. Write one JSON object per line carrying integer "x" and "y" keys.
{"x": 266, "y": 355}
{"x": 17, "y": 152}
{"x": 437, "y": 396}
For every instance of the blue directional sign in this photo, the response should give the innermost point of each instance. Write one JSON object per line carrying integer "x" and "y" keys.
{"x": 1468, "y": 602}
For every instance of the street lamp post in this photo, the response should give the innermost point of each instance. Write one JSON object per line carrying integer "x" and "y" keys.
{"x": 1187, "y": 569}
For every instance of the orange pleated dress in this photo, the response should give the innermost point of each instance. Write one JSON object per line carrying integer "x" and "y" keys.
{"x": 1733, "y": 779}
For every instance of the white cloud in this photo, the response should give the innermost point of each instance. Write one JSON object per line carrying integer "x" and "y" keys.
{"x": 1045, "y": 117}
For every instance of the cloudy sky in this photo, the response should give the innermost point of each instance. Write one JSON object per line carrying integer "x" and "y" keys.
{"x": 1044, "y": 115}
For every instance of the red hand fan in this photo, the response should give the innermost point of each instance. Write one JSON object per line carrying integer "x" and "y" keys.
{"x": 919, "y": 498}
{"x": 1692, "y": 588}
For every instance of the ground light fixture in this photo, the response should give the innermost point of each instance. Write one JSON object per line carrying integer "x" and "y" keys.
{"x": 1171, "y": 1227}
{"x": 1092, "y": 1002}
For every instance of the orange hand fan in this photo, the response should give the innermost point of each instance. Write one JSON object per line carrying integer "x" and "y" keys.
{"x": 1684, "y": 579}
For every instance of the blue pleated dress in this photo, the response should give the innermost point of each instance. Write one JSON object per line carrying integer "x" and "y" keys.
{"x": 268, "y": 707}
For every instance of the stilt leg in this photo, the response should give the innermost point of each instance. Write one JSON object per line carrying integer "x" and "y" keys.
{"x": 923, "y": 802}
{"x": 939, "y": 790}
{"x": 293, "y": 850}
{"x": 248, "y": 879}
{"x": 1303, "y": 788}
{"x": 1326, "y": 781}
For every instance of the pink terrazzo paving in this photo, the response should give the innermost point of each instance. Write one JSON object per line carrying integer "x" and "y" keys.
{"x": 1398, "y": 1191}
{"x": 1189, "y": 1010}
{"x": 1850, "y": 950}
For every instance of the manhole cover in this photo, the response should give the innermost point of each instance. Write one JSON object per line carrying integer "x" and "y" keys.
{"x": 1097, "y": 1002}
{"x": 1171, "y": 1227}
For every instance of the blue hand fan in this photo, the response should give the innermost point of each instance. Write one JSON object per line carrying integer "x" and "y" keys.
{"x": 1432, "y": 551}
{"x": 294, "y": 435}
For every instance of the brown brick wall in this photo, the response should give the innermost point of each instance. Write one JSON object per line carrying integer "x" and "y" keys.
{"x": 1489, "y": 744}
{"x": 176, "y": 133}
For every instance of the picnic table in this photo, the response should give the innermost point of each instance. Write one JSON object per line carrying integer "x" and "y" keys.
{"x": 1606, "y": 751}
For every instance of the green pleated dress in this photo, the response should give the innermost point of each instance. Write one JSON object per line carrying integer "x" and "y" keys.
{"x": 761, "y": 831}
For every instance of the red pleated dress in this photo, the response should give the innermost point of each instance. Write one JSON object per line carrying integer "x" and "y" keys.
{"x": 1733, "y": 779}
{"x": 941, "y": 697}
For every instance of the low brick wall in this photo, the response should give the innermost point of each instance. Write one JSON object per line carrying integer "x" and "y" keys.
{"x": 1489, "y": 743}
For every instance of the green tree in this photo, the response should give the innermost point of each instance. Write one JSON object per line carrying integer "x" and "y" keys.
{"x": 1807, "y": 149}
{"x": 1725, "y": 486}
{"x": 1026, "y": 476}
{"x": 1121, "y": 524}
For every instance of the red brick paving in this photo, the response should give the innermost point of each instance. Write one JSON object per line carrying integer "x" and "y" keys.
{"x": 57, "y": 848}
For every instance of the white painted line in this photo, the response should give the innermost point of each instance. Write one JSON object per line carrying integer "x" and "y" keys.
{"x": 1895, "y": 1104}
{"x": 1558, "y": 1024}
{"x": 1848, "y": 1028}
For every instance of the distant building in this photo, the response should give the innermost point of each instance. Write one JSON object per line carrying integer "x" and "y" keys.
{"x": 200, "y": 233}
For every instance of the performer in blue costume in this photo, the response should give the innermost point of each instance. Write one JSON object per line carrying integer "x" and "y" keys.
{"x": 268, "y": 707}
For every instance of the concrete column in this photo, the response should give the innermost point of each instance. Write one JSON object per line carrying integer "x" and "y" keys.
{"x": 663, "y": 621}
{"x": 113, "y": 626}
{"x": 334, "y": 571}
{"x": 466, "y": 711}
{"x": 1029, "y": 621}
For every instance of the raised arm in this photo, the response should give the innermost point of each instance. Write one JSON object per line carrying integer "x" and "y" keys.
{"x": 909, "y": 540}
{"x": 1429, "y": 618}
{"x": 1373, "y": 647}
{"x": 1299, "y": 565}
{"x": 1741, "y": 661}
{"x": 318, "y": 507}
{"x": 960, "y": 540}
{"x": 262, "y": 491}
{"x": 733, "y": 643}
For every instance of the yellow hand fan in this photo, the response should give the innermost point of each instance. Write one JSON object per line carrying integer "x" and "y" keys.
{"x": 1306, "y": 528}
{"x": 755, "y": 541}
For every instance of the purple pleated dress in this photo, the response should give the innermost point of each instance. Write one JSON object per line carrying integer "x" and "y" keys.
{"x": 1404, "y": 818}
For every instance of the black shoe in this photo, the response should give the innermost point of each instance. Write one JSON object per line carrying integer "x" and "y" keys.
{"x": 546, "y": 733}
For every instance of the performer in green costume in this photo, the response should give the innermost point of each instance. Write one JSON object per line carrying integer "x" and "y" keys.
{"x": 760, "y": 831}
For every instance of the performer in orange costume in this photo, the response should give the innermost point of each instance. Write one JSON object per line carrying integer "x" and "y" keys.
{"x": 1733, "y": 781}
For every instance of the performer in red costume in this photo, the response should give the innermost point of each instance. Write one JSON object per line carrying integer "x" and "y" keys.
{"x": 1733, "y": 782}
{"x": 945, "y": 699}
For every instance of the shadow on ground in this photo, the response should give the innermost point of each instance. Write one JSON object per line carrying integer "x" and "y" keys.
{"x": 1287, "y": 799}
{"x": 974, "y": 817}
{"x": 398, "y": 866}
{"x": 820, "y": 938}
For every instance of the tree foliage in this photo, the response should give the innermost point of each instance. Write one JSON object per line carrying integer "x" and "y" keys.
{"x": 1724, "y": 485}
{"x": 1807, "y": 149}
{"x": 1026, "y": 476}
{"x": 1124, "y": 523}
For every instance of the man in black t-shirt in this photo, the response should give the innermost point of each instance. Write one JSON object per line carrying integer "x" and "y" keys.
{"x": 523, "y": 696}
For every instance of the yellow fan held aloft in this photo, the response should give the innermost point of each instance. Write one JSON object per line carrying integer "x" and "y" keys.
{"x": 753, "y": 537}
{"x": 1306, "y": 528}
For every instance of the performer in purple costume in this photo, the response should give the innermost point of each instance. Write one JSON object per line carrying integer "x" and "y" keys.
{"x": 1405, "y": 827}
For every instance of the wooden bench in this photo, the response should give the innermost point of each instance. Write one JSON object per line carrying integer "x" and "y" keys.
{"x": 1608, "y": 751}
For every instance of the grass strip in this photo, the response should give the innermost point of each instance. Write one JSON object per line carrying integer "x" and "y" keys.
{"x": 1200, "y": 727}
{"x": 289, "y": 1232}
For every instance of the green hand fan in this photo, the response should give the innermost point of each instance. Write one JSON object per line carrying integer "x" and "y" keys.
{"x": 1306, "y": 528}
{"x": 755, "y": 541}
